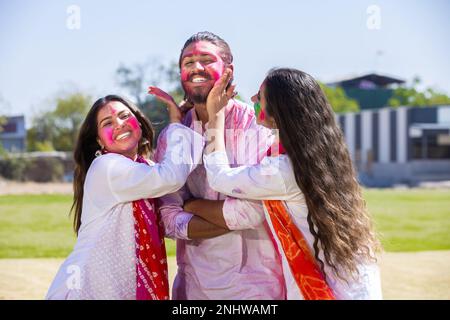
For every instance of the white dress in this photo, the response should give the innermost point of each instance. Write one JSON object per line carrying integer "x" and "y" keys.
{"x": 274, "y": 179}
{"x": 103, "y": 263}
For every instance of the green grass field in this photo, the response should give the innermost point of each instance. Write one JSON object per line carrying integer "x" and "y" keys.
{"x": 34, "y": 226}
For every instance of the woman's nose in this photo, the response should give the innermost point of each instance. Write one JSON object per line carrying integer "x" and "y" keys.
{"x": 254, "y": 99}
{"x": 118, "y": 123}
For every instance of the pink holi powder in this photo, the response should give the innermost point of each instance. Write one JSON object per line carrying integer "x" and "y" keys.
{"x": 107, "y": 134}
{"x": 133, "y": 123}
{"x": 262, "y": 115}
{"x": 215, "y": 69}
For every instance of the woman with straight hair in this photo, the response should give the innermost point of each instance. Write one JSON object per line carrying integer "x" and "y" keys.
{"x": 312, "y": 200}
{"x": 120, "y": 251}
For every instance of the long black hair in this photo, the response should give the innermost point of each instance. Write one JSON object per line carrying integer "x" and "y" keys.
{"x": 337, "y": 214}
{"x": 87, "y": 145}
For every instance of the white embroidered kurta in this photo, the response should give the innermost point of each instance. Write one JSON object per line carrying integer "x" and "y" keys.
{"x": 274, "y": 179}
{"x": 103, "y": 262}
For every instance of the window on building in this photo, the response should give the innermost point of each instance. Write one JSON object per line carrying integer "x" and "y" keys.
{"x": 431, "y": 146}
{"x": 10, "y": 127}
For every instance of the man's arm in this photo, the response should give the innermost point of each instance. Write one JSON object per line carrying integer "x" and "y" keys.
{"x": 199, "y": 228}
{"x": 179, "y": 224}
{"x": 209, "y": 210}
{"x": 230, "y": 214}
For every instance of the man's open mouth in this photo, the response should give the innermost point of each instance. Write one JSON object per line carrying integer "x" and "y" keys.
{"x": 199, "y": 79}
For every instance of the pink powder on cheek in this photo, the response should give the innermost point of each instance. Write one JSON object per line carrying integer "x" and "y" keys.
{"x": 136, "y": 128}
{"x": 216, "y": 70}
{"x": 262, "y": 115}
{"x": 106, "y": 135}
{"x": 134, "y": 123}
{"x": 184, "y": 75}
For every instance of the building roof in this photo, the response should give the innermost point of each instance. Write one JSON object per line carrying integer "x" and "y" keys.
{"x": 377, "y": 80}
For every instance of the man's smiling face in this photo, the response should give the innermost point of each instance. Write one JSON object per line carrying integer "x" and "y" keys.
{"x": 201, "y": 67}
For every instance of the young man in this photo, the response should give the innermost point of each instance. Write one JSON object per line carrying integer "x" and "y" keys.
{"x": 214, "y": 262}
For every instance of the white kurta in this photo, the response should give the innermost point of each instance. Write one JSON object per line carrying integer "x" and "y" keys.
{"x": 103, "y": 262}
{"x": 274, "y": 179}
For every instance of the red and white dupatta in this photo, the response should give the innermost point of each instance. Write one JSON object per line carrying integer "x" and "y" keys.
{"x": 151, "y": 261}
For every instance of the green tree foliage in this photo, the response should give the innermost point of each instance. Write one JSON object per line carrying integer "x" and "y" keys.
{"x": 136, "y": 80}
{"x": 3, "y": 105}
{"x": 339, "y": 100}
{"x": 2, "y": 123}
{"x": 58, "y": 129}
{"x": 410, "y": 95}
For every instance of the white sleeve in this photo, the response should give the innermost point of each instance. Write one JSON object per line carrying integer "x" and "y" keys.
{"x": 273, "y": 179}
{"x": 242, "y": 214}
{"x": 129, "y": 180}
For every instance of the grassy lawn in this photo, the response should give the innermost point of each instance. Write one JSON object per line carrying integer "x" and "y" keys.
{"x": 407, "y": 220}
{"x": 411, "y": 220}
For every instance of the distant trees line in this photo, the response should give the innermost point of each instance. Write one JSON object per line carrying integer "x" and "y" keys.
{"x": 57, "y": 129}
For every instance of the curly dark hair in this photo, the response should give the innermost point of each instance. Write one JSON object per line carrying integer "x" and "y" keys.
{"x": 337, "y": 213}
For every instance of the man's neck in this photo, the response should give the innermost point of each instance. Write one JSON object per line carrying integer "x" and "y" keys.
{"x": 202, "y": 114}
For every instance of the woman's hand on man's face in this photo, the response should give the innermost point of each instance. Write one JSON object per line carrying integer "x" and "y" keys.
{"x": 219, "y": 95}
{"x": 174, "y": 111}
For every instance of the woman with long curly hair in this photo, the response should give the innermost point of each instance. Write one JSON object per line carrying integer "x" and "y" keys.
{"x": 311, "y": 197}
{"x": 120, "y": 251}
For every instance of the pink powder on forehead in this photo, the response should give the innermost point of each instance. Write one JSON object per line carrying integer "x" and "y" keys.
{"x": 202, "y": 48}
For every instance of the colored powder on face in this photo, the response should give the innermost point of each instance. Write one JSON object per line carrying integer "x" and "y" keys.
{"x": 133, "y": 123}
{"x": 214, "y": 69}
{"x": 106, "y": 134}
{"x": 260, "y": 114}
{"x": 257, "y": 107}
{"x": 184, "y": 74}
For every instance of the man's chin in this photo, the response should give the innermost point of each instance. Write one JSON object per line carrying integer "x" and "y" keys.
{"x": 198, "y": 98}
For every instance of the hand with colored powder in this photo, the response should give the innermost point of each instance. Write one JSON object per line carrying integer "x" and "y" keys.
{"x": 167, "y": 99}
{"x": 219, "y": 95}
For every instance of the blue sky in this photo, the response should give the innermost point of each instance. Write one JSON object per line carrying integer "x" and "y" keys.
{"x": 40, "y": 57}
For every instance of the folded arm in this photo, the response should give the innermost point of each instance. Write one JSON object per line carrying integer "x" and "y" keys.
{"x": 230, "y": 214}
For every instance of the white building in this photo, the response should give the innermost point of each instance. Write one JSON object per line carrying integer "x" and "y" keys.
{"x": 13, "y": 134}
{"x": 405, "y": 145}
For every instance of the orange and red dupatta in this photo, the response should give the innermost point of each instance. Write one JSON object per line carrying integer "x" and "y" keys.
{"x": 302, "y": 263}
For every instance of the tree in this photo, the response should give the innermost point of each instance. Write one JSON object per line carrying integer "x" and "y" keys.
{"x": 2, "y": 123}
{"x": 339, "y": 100}
{"x": 410, "y": 95}
{"x": 41, "y": 134}
{"x": 137, "y": 78}
{"x": 58, "y": 129}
